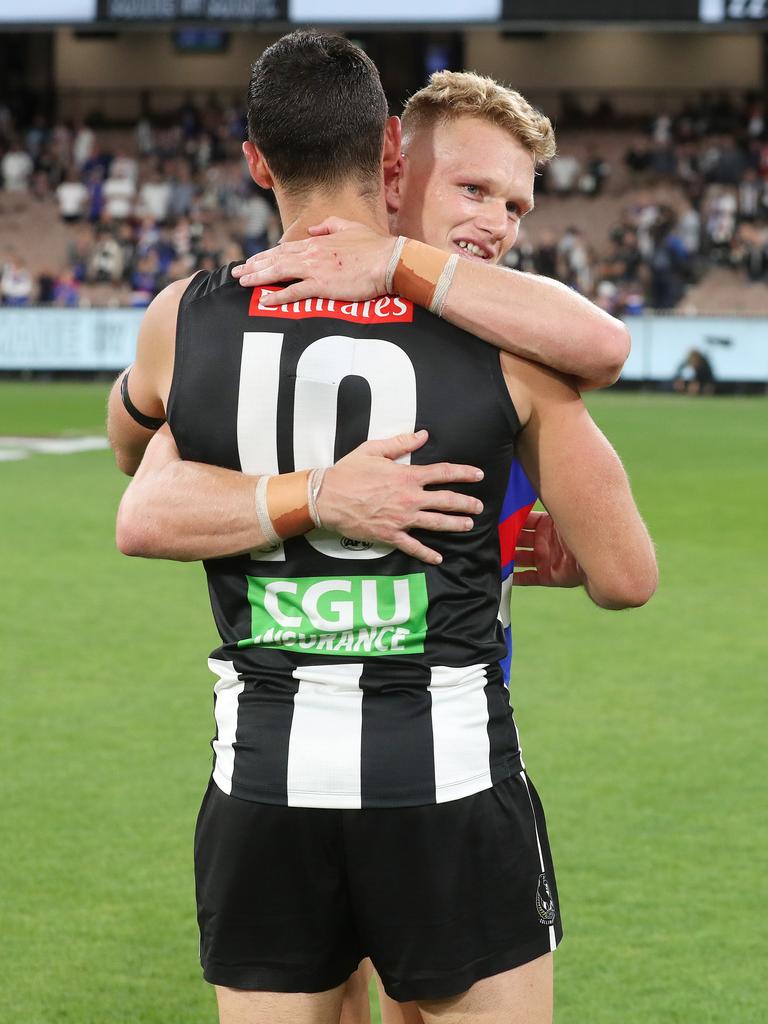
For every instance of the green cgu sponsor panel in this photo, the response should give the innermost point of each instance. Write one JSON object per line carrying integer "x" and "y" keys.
{"x": 349, "y": 616}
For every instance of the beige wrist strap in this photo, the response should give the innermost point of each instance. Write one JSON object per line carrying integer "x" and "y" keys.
{"x": 418, "y": 272}
{"x": 288, "y": 504}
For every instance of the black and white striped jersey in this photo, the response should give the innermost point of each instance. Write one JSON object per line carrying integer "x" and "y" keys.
{"x": 349, "y": 675}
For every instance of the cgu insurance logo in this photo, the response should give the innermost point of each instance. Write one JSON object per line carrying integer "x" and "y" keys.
{"x": 356, "y": 616}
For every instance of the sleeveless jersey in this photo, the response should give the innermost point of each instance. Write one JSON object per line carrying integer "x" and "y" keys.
{"x": 350, "y": 675}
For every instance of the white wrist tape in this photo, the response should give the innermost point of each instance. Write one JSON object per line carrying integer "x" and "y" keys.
{"x": 393, "y": 261}
{"x": 271, "y": 537}
{"x": 314, "y": 483}
{"x": 443, "y": 284}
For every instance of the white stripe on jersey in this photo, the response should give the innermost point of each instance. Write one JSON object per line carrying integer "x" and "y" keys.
{"x": 324, "y": 751}
{"x": 505, "y": 607}
{"x": 227, "y": 691}
{"x": 460, "y": 731}
{"x": 257, "y": 413}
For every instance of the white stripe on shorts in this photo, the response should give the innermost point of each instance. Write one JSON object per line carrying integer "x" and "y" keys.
{"x": 551, "y": 929}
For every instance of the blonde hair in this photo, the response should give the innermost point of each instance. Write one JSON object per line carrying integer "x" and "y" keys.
{"x": 452, "y": 94}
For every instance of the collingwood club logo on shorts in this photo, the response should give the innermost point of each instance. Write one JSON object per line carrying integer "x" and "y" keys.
{"x": 352, "y": 616}
{"x": 545, "y": 901}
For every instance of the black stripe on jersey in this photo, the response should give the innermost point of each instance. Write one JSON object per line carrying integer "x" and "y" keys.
{"x": 265, "y": 716}
{"x": 397, "y": 748}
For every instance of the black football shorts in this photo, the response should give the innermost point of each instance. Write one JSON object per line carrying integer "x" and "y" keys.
{"x": 290, "y": 899}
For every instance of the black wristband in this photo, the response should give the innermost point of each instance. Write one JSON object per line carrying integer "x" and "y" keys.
{"x": 150, "y": 422}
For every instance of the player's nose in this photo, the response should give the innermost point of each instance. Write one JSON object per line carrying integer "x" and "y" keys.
{"x": 493, "y": 221}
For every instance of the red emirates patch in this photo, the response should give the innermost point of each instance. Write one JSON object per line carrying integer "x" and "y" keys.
{"x": 386, "y": 309}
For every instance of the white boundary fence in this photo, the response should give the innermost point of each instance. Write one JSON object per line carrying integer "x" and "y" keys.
{"x": 105, "y": 339}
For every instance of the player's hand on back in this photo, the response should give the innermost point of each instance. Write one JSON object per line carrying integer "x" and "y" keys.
{"x": 544, "y": 556}
{"x": 343, "y": 260}
{"x": 369, "y": 496}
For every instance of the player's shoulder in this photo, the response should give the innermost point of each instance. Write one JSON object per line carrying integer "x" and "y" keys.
{"x": 166, "y": 303}
{"x": 209, "y": 282}
{"x": 535, "y": 386}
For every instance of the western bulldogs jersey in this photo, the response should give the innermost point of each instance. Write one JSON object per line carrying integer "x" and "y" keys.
{"x": 349, "y": 674}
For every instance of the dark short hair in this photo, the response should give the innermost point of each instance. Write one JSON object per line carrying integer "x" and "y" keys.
{"x": 317, "y": 111}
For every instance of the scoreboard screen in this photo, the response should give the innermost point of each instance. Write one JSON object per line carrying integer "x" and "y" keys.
{"x": 601, "y": 11}
{"x": 715, "y": 12}
{"x": 394, "y": 11}
{"x": 543, "y": 15}
{"x": 34, "y": 12}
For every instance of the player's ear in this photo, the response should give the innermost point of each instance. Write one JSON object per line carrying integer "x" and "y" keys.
{"x": 258, "y": 165}
{"x": 393, "y": 184}
{"x": 391, "y": 154}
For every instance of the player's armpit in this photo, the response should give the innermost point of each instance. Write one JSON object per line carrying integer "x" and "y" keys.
{"x": 149, "y": 381}
{"x": 583, "y": 484}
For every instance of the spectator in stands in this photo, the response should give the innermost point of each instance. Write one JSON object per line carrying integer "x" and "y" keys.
{"x": 720, "y": 220}
{"x": 16, "y": 167}
{"x": 749, "y": 251}
{"x": 595, "y": 174}
{"x": 124, "y": 165}
{"x": 750, "y": 196}
{"x": 105, "y": 264}
{"x": 119, "y": 196}
{"x": 36, "y": 137}
{"x": 83, "y": 145}
{"x": 638, "y": 157}
{"x": 72, "y": 196}
{"x": 79, "y": 251}
{"x": 51, "y": 163}
{"x": 689, "y": 226}
{"x": 66, "y": 291}
{"x": 96, "y": 198}
{"x": 563, "y": 174}
{"x": 669, "y": 262}
{"x": 256, "y": 214}
{"x": 182, "y": 190}
{"x": 46, "y": 286}
{"x": 145, "y": 278}
{"x": 16, "y": 283}
{"x": 39, "y": 188}
{"x": 154, "y": 197}
{"x": 575, "y": 261}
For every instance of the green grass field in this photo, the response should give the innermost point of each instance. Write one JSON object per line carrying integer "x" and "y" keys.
{"x": 644, "y": 732}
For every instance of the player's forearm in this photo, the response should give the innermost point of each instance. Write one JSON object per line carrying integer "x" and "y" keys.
{"x": 188, "y": 511}
{"x": 539, "y": 319}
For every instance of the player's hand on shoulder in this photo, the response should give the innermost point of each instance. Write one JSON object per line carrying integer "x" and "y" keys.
{"x": 367, "y": 495}
{"x": 342, "y": 260}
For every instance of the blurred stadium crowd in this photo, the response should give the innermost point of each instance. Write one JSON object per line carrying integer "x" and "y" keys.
{"x": 634, "y": 221}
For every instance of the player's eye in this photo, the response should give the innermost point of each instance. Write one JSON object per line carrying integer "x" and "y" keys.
{"x": 513, "y": 209}
{"x": 473, "y": 190}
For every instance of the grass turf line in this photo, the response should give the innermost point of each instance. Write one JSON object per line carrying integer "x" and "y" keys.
{"x": 640, "y": 729}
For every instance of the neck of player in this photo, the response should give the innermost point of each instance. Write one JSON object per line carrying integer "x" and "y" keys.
{"x": 299, "y": 214}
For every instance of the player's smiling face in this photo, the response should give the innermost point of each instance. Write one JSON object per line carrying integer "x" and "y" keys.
{"x": 465, "y": 186}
